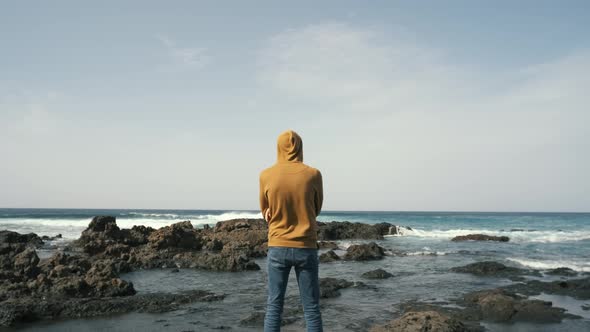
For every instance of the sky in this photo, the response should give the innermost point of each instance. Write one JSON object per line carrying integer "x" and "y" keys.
{"x": 402, "y": 105}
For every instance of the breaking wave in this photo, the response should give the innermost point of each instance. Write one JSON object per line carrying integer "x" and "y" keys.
{"x": 548, "y": 265}
{"x": 71, "y": 228}
{"x": 515, "y": 236}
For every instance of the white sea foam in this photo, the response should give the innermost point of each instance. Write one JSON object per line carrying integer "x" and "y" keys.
{"x": 155, "y": 215}
{"x": 230, "y": 215}
{"x": 537, "y": 236}
{"x": 548, "y": 265}
{"x": 211, "y": 217}
{"x": 69, "y": 228}
{"x": 399, "y": 230}
{"x": 72, "y": 228}
{"x": 427, "y": 253}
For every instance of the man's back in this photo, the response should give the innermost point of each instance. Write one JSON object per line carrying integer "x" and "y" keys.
{"x": 293, "y": 192}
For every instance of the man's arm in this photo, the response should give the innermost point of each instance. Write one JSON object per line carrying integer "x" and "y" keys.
{"x": 263, "y": 200}
{"x": 319, "y": 194}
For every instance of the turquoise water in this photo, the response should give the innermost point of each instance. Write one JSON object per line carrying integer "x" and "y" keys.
{"x": 420, "y": 258}
{"x": 538, "y": 240}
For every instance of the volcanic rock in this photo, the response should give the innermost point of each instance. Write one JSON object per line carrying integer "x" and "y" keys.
{"x": 329, "y": 256}
{"x": 327, "y": 245}
{"x": 32, "y": 309}
{"x": 330, "y": 287}
{"x": 377, "y": 274}
{"x": 480, "y": 237}
{"x": 364, "y": 252}
{"x": 576, "y": 288}
{"x": 179, "y": 235}
{"x": 330, "y": 231}
{"x": 489, "y": 268}
{"x": 30, "y": 240}
{"x": 422, "y": 321}
{"x": 499, "y": 305}
{"x": 563, "y": 271}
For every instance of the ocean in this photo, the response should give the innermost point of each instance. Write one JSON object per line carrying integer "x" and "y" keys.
{"x": 540, "y": 241}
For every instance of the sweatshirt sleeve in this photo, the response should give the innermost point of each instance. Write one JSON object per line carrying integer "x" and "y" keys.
{"x": 319, "y": 194}
{"x": 262, "y": 197}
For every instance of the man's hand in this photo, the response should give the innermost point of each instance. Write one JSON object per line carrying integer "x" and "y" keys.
{"x": 266, "y": 215}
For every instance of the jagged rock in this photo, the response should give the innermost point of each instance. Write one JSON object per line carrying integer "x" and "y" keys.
{"x": 576, "y": 288}
{"x": 256, "y": 319}
{"x": 480, "y": 237}
{"x": 563, "y": 271}
{"x": 489, "y": 268}
{"x": 26, "y": 262}
{"x": 330, "y": 287}
{"x": 214, "y": 245}
{"x": 51, "y": 238}
{"x": 31, "y": 309}
{"x": 116, "y": 250}
{"x": 249, "y": 236}
{"x": 501, "y": 306}
{"x": 101, "y": 232}
{"x": 329, "y": 256}
{"x": 422, "y": 322}
{"x": 30, "y": 240}
{"x": 179, "y": 235}
{"x": 363, "y": 252}
{"x": 377, "y": 274}
{"x": 329, "y": 231}
{"x": 137, "y": 235}
{"x": 102, "y": 227}
{"x": 230, "y": 262}
{"x": 327, "y": 245}
{"x": 241, "y": 224}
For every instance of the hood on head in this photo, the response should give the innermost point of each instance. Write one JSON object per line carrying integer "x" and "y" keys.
{"x": 289, "y": 147}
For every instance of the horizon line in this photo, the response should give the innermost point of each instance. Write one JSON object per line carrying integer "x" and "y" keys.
{"x": 325, "y": 211}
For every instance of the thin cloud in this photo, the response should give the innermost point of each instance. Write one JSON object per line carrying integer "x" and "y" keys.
{"x": 429, "y": 128}
{"x": 29, "y": 113}
{"x": 364, "y": 69}
{"x": 184, "y": 57}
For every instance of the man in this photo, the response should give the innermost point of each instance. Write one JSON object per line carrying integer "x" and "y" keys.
{"x": 291, "y": 197}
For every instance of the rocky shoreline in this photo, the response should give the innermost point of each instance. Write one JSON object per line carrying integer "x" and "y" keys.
{"x": 84, "y": 279}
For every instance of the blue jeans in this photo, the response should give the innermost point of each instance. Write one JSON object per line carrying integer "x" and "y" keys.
{"x": 280, "y": 260}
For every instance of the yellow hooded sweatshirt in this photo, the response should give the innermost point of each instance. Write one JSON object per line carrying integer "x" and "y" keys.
{"x": 293, "y": 192}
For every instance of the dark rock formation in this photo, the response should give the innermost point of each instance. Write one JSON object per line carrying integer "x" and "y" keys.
{"x": 563, "y": 271}
{"x": 330, "y": 231}
{"x": 228, "y": 247}
{"x": 62, "y": 275}
{"x": 499, "y": 305}
{"x": 179, "y": 235}
{"x": 327, "y": 245}
{"x": 364, "y": 252}
{"x": 51, "y": 238}
{"x": 249, "y": 236}
{"x": 65, "y": 285}
{"x": 377, "y": 274}
{"x": 480, "y": 237}
{"x": 136, "y": 236}
{"x": 31, "y": 309}
{"x": 256, "y": 319}
{"x": 423, "y": 321}
{"x": 14, "y": 238}
{"x": 576, "y": 288}
{"x": 330, "y": 287}
{"x": 489, "y": 268}
{"x": 329, "y": 256}
{"x": 101, "y": 232}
